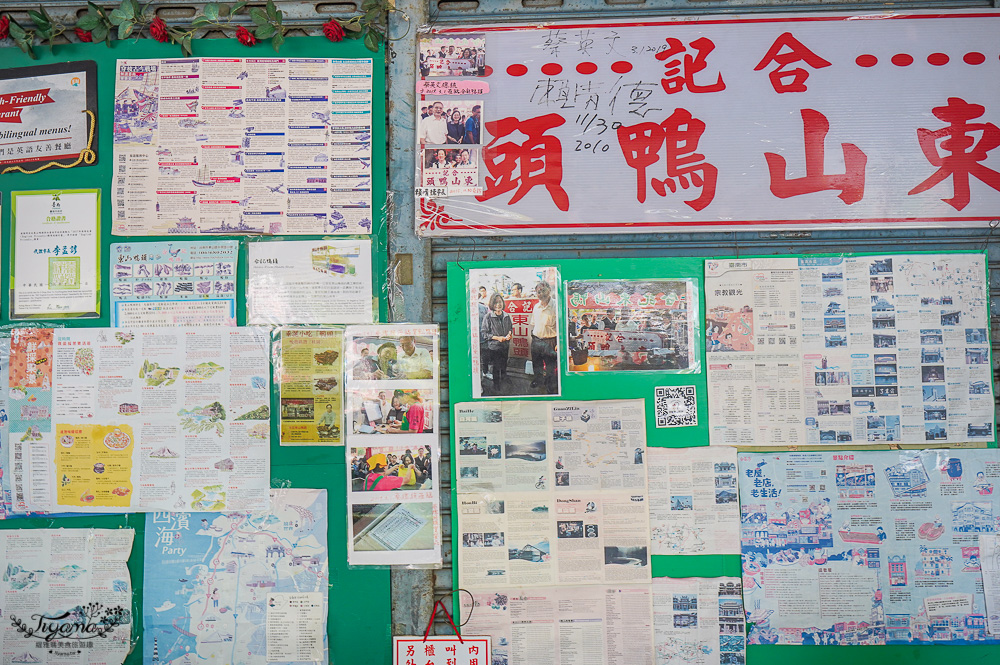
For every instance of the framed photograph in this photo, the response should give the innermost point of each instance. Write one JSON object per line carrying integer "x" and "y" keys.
{"x": 513, "y": 314}
{"x": 626, "y": 325}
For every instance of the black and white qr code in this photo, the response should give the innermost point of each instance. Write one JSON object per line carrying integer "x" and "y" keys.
{"x": 676, "y": 406}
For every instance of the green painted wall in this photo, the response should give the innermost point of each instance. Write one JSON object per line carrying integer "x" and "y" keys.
{"x": 360, "y": 606}
{"x": 609, "y": 385}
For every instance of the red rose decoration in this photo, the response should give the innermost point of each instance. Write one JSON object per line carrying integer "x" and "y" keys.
{"x": 244, "y": 37}
{"x": 4, "y": 26}
{"x": 83, "y": 35}
{"x": 158, "y": 30}
{"x": 333, "y": 30}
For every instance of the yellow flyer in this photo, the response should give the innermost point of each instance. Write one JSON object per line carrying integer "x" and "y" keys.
{"x": 311, "y": 390}
{"x": 94, "y": 465}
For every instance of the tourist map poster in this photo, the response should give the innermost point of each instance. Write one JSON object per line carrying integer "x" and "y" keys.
{"x": 849, "y": 350}
{"x": 180, "y": 283}
{"x": 243, "y": 145}
{"x": 210, "y": 579}
{"x": 867, "y": 547}
{"x": 135, "y": 420}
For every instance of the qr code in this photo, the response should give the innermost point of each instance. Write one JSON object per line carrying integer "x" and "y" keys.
{"x": 676, "y": 406}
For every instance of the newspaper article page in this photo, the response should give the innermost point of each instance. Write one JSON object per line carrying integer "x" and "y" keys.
{"x": 134, "y": 420}
{"x": 753, "y": 344}
{"x": 849, "y": 350}
{"x": 552, "y": 492}
{"x": 902, "y": 354}
{"x": 564, "y": 625}
{"x": 876, "y": 547}
{"x": 538, "y": 446}
{"x": 693, "y": 500}
{"x": 392, "y": 439}
{"x": 526, "y": 538}
{"x": 309, "y": 371}
{"x": 68, "y": 596}
{"x": 698, "y": 621}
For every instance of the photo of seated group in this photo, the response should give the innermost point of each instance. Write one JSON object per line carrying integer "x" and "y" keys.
{"x": 387, "y": 468}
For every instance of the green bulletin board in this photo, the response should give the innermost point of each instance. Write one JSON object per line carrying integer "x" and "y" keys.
{"x": 639, "y": 385}
{"x": 360, "y": 606}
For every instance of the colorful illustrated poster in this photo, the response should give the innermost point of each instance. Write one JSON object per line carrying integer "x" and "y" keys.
{"x": 310, "y": 375}
{"x": 209, "y": 577}
{"x": 73, "y": 588}
{"x": 55, "y": 254}
{"x": 310, "y": 282}
{"x": 541, "y": 625}
{"x": 243, "y": 145}
{"x": 627, "y": 124}
{"x": 44, "y": 116}
{"x": 7, "y": 455}
{"x": 698, "y": 621}
{"x": 626, "y": 325}
{"x": 849, "y": 350}
{"x": 514, "y": 331}
{"x": 181, "y": 283}
{"x": 393, "y": 475}
{"x": 867, "y": 547}
{"x": 135, "y": 420}
{"x": 693, "y": 500}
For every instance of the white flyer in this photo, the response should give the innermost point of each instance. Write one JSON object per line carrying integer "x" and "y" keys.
{"x": 539, "y": 625}
{"x": 529, "y": 538}
{"x": 571, "y": 446}
{"x": 67, "y": 595}
{"x": 135, "y": 420}
{"x": 693, "y": 500}
{"x": 309, "y": 282}
{"x": 55, "y": 257}
{"x": 552, "y": 493}
{"x": 698, "y": 621}
{"x": 243, "y": 146}
{"x": 296, "y": 627}
{"x": 989, "y": 560}
{"x": 849, "y": 350}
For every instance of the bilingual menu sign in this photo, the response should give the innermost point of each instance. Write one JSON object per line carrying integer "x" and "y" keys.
{"x": 44, "y": 117}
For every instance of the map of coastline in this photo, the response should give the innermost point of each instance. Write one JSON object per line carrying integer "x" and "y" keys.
{"x": 208, "y": 575}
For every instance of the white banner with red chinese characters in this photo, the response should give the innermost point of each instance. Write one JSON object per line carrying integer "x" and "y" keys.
{"x": 719, "y": 123}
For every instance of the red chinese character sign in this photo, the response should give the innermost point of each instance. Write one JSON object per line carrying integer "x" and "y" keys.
{"x": 717, "y": 124}
{"x": 441, "y": 650}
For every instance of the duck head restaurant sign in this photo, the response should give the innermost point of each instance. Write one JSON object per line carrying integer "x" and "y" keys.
{"x": 48, "y": 115}
{"x": 714, "y": 123}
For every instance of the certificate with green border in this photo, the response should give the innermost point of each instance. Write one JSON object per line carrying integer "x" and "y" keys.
{"x": 55, "y": 254}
